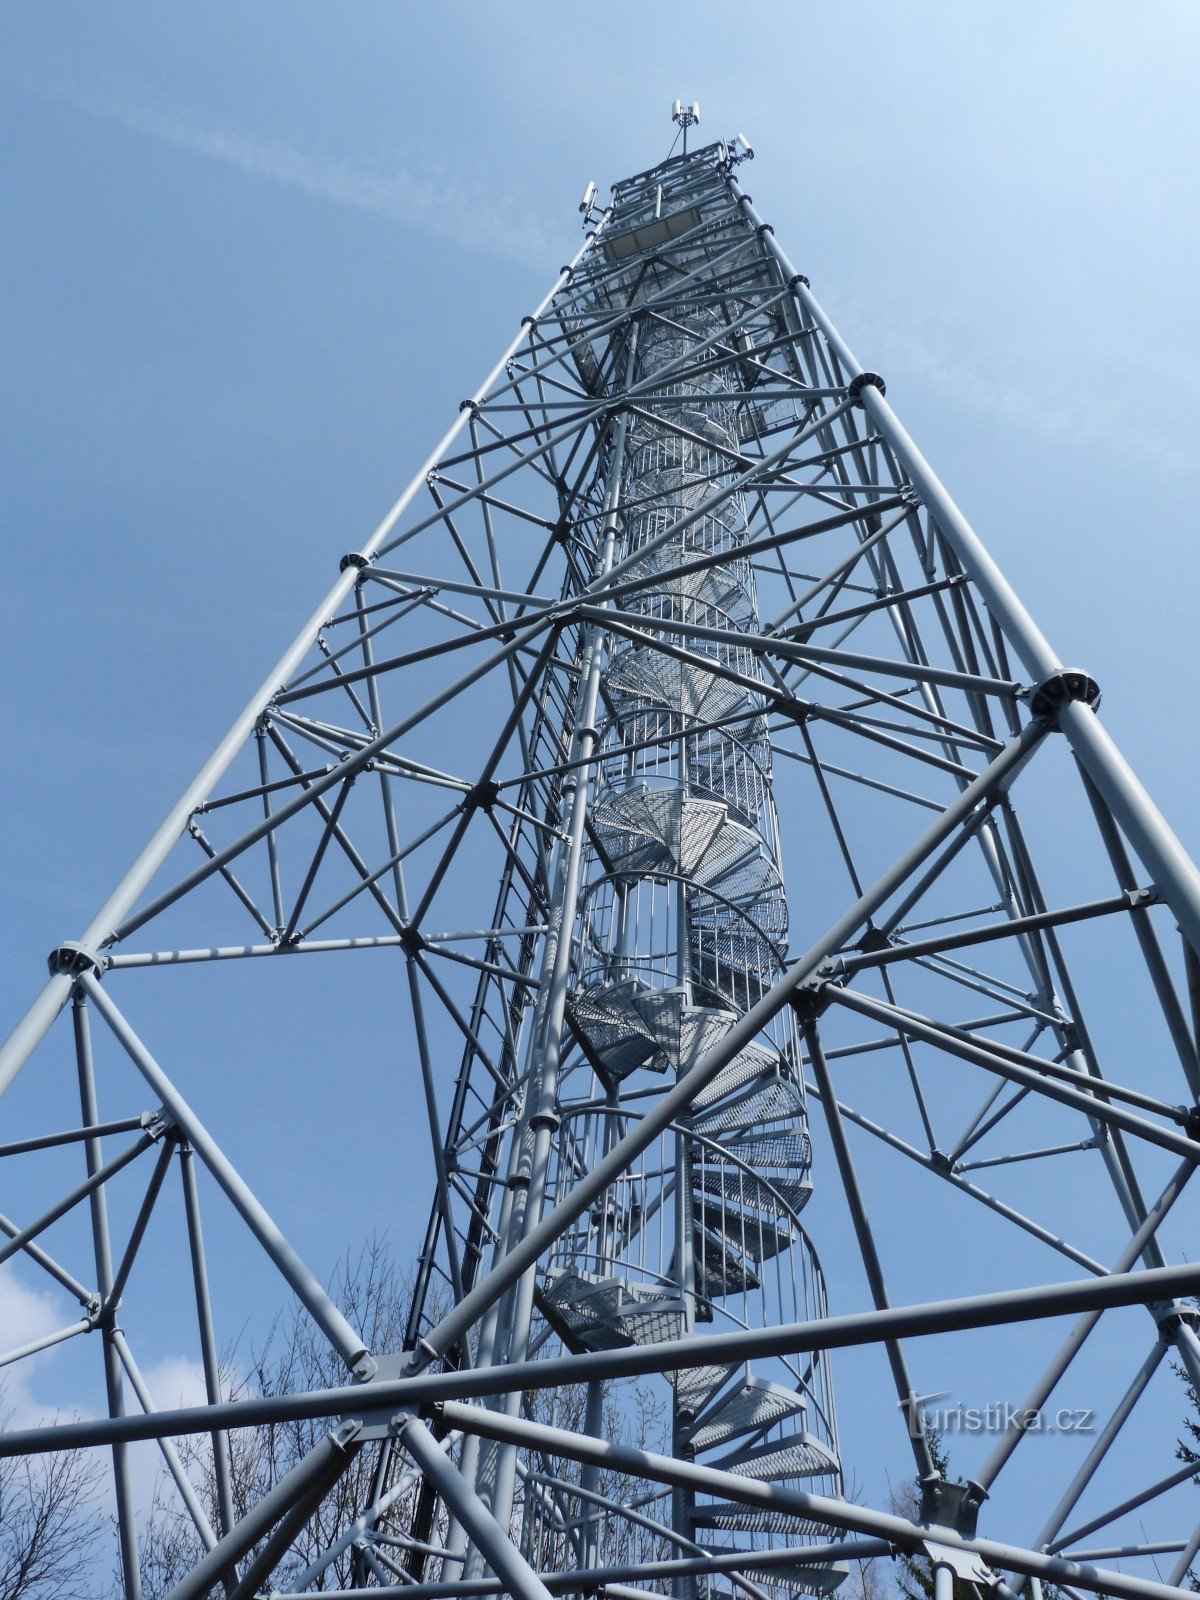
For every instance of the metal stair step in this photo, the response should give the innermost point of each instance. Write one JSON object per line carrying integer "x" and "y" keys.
{"x": 766, "y": 1102}
{"x": 721, "y": 1271}
{"x": 756, "y": 1403}
{"x": 759, "y": 1238}
{"x": 795, "y": 1455}
{"x": 700, "y": 1028}
{"x": 609, "y": 1313}
{"x": 609, "y": 1018}
{"x": 644, "y": 830}
{"x": 750, "y": 1064}
{"x": 644, "y": 677}
{"x": 732, "y": 1515}
{"x": 695, "y": 1386}
{"x": 771, "y": 1193}
{"x": 793, "y": 1579}
{"x": 791, "y": 1150}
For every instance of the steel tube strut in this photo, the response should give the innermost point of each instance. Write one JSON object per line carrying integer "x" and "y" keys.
{"x": 587, "y": 1578}
{"x": 1006, "y": 1306}
{"x": 872, "y": 1266}
{"x": 322, "y": 1466}
{"x": 1161, "y": 853}
{"x": 995, "y": 776}
{"x": 541, "y": 1113}
{"x": 33, "y": 1026}
{"x": 486, "y": 1533}
{"x": 819, "y": 1508}
{"x": 348, "y": 1344}
{"x": 102, "y": 1254}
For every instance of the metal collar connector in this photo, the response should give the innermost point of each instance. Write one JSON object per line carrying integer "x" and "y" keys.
{"x": 72, "y": 960}
{"x": 857, "y": 384}
{"x": 1178, "y": 1315}
{"x": 764, "y": 227}
{"x": 529, "y": 322}
{"x": 797, "y": 711}
{"x": 353, "y": 559}
{"x": 796, "y": 279}
{"x": 483, "y": 796}
{"x": 550, "y": 1120}
{"x": 469, "y": 405}
{"x": 1072, "y": 683}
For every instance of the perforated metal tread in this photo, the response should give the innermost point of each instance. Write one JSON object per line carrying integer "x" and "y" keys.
{"x": 778, "y": 1195}
{"x": 751, "y": 1519}
{"x": 789, "y": 1580}
{"x": 648, "y": 678}
{"x": 758, "y": 1238}
{"x": 610, "y": 1313}
{"x": 615, "y": 1028}
{"x": 721, "y": 1271}
{"x": 756, "y": 1403}
{"x": 791, "y": 1150}
{"x": 795, "y": 1455}
{"x": 772, "y": 1101}
{"x": 696, "y": 1386}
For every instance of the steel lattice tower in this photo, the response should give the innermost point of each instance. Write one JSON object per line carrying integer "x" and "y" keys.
{"x": 674, "y": 610}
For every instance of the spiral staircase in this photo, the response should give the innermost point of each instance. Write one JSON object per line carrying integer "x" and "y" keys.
{"x": 684, "y": 927}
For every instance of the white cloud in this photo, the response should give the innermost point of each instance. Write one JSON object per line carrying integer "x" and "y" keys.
{"x": 26, "y": 1314}
{"x": 1091, "y": 419}
{"x": 175, "y": 1381}
{"x": 432, "y": 202}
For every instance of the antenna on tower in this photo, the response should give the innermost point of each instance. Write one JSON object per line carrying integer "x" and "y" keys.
{"x": 686, "y": 117}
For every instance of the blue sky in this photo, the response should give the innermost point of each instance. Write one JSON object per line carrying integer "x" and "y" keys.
{"x": 257, "y": 254}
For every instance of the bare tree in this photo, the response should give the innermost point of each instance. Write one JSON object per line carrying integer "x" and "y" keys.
{"x": 294, "y": 1356}
{"x": 549, "y": 1516}
{"x": 50, "y": 1524}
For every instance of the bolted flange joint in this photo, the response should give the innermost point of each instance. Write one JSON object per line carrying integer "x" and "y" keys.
{"x": 764, "y": 227}
{"x": 810, "y": 1001}
{"x": 353, "y": 559}
{"x": 951, "y": 1505}
{"x": 72, "y": 960}
{"x": 529, "y": 322}
{"x": 1072, "y": 683}
{"x": 469, "y": 405}
{"x": 864, "y": 379}
{"x": 796, "y": 279}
